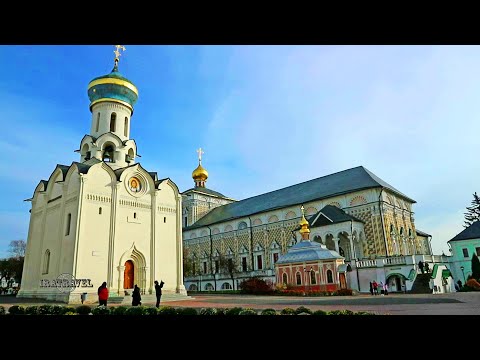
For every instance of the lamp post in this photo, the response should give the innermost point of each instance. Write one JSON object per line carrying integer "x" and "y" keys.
{"x": 463, "y": 268}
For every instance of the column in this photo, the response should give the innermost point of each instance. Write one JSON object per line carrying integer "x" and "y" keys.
{"x": 111, "y": 242}
{"x": 180, "y": 287}
{"x": 336, "y": 240}
{"x": 352, "y": 248}
{"x": 121, "y": 270}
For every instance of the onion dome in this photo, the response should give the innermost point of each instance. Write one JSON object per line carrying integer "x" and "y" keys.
{"x": 304, "y": 224}
{"x": 200, "y": 174}
{"x": 112, "y": 87}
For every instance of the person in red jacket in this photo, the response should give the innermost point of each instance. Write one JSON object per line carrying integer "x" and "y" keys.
{"x": 103, "y": 294}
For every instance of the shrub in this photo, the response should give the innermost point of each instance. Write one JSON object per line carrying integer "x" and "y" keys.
{"x": 187, "y": 311}
{"x": 119, "y": 310}
{"x": 303, "y": 309}
{"x": 221, "y": 311}
{"x": 83, "y": 310}
{"x": 57, "y": 310}
{"x": 16, "y": 310}
{"x": 319, "y": 312}
{"x": 340, "y": 312}
{"x": 101, "y": 310}
{"x": 167, "y": 310}
{"x": 134, "y": 310}
{"x": 269, "y": 312}
{"x": 44, "y": 310}
{"x": 70, "y": 313}
{"x": 363, "y": 313}
{"x": 256, "y": 286}
{"x": 248, "y": 311}
{"x": 234, "y": 311}
{"x": 472, "y": 283}
{"x": 288, "y": 311}
{"x": 31, "y": 310}
{"x": 208, "y": 311}
{"x": 343, "y": 292}
{"x": 150, "y": 310}
{"x": 2, "y": 310}
{"x": 66, "y": 309}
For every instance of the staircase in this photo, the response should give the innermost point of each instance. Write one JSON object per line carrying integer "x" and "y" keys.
{"x": 421, "y": 285}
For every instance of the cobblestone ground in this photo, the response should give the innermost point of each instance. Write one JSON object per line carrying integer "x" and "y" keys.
{"x": 393, "y": 304}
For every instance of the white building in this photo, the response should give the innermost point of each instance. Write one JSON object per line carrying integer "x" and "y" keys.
{"x": 104, "y": 218}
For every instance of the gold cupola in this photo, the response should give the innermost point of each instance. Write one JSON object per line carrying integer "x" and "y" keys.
{"x": 200, "y": 175}
{"x": 304, "y": 230}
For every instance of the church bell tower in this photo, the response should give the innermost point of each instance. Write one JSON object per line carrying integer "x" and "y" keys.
{"x": 112, "y": 98}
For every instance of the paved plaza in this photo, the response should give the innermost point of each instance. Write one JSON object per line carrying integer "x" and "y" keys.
{"x": 393, "y": 304}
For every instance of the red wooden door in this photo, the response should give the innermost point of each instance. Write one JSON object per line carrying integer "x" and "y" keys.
{"x": 128, "y": 275}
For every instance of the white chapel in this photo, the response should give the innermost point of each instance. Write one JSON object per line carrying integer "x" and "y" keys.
{"x": 105, "y": 217}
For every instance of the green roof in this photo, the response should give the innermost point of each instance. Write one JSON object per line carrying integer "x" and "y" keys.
{"x": 331, "y": 215}
{"x": 339, "y": 183}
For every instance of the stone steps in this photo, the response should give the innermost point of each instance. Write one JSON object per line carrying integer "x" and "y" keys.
{"x": 149, "y": 299}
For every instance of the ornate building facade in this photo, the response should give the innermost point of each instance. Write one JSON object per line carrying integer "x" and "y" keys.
{"x": 353, "y": 212}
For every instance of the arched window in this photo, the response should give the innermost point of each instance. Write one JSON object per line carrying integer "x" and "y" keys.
{"x": 391, "y": 228}
{"x": 401, "y": 230}
{"x": 125, "y": 128}
{"x": 329, "y": 276}
{"x": 113, "y": 119}
{"x": 46, "y": 261}
{"x": 192, "y": 287}
{"x": 313, "y": 278}
{"x": 242, "y": 225}
{"x": 409, "y": 232}
{"x": 99, "y": 211}
{"x": 285, "y": 278}
{"x": 209, "y": 287}
{"x": 98, "y": 122}
{"x": 226, "y": 286}
{"x": 341, "y": 251}
{"x": 108, "y": 154}
{"x": 69, "y": 220}
{"x": 299, "y": 279}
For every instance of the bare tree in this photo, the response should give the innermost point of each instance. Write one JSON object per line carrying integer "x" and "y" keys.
{"x": 17, "y": 248}
{"x": 229, "y": 266}
{"x": 188, "y": 263}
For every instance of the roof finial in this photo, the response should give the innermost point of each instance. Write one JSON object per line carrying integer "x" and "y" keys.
{"x": 304, "y": 230}
{"x": 200, "y": 152}
{"x": 117, "y": 55}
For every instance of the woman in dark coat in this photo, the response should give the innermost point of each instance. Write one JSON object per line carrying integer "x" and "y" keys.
{"x": 136, "y": 297}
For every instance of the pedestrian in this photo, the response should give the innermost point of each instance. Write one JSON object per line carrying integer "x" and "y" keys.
{"x": 136, "y": 297}
{"x": 427, "y": 268}
{"x": 158, "y": 291}
{"x": 382, "y": 291}
{"x": 102, "y": 294}
{"x": 460, "y": 285}
{"x": 375, "y": 287}
{"x": 385, "y": 288}
{"x": 420, "y": 266}
{"x": 371, "y": 288}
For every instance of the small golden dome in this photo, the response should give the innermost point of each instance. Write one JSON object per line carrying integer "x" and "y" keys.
{"x": 304, "y": 224}
{"x": 200, "y": 173}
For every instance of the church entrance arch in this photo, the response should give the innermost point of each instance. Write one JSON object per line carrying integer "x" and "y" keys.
{"x": 128, "y": 275}
{"x": 343, "y": 281}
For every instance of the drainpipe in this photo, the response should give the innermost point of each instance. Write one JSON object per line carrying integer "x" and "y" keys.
{"x": 383, "y": 225}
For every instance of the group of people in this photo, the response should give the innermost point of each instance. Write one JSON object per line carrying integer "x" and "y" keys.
{"x": 424, "y": 267}
{"x": 374, "y": 286}
{"x": 136, "y": 294}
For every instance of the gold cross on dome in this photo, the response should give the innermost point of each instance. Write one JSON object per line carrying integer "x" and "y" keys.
{"x": 200, "y": 152}
{"x": 117, "y": 51}
{"x": 302, "y": 210}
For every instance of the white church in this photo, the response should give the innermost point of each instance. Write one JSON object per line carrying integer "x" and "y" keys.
{"x": 104, "y": 218}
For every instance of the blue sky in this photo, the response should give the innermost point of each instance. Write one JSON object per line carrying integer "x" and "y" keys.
{"x": 267, "y": 117}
